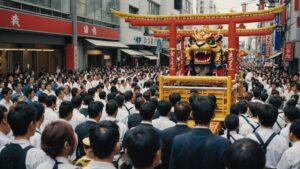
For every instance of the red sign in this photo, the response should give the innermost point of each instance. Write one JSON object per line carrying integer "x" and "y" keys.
{"x": 288, "y": 54}
{"x": 97, "y": 31}
{"x": 23, "y": 21}
{"x": 268, "y": 46}
{"x": 297, "y": 5}
{"x": 298, "y": 22}
{"x": 28, "y": 22}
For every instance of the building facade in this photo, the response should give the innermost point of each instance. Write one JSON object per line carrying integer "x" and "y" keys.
{"x": 144, "y": 48}
{"x": 205, "y": 6}
{"x": 41, "y": 35}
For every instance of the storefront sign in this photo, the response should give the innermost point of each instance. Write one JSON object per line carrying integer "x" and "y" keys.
{"x": 35, "y": 23}
{"x": 263, "y": 49}
{"x": 145, "y": 40}
{"x": 278, "y": 37}
{"x": 288, "y": 54}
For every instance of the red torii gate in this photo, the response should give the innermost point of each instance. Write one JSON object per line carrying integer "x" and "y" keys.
{"x": 201, "y": 19}
{"x": 182, "y": 34}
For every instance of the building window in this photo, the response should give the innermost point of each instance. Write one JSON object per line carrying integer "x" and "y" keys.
{"x": 188, "y": 6}
{"x": 153, "y": 8}
{"x": 59, "y": 5}
{"x": 178, "y": 4}
{"x": 82, "y": 8}
{"x": 134, "y": 10}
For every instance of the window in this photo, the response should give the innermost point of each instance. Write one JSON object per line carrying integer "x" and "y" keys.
{"x": 82, "y": 8}
{"x": 134, "y": 10}
{"x": 60, "y": 5}
{"x": 153, "y": 8}
{"x": 188, "y": 6}
{"x": 178, "y": 4}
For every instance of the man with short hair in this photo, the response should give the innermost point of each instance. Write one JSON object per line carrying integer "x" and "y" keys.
{"x": 135, "y": 119}
{"x": 182, "y": 112}
{"x": 104, "y": 140}
{"x": 18, "y": 86}
{"x": 19, "y": 153}
{"x": 77, "y": 116}
{"x": 5, "y": 101}
{"x": 143, "y": 147}
{"x": 94, "y": 114}
{"x": 129, "y": 106}
{"x": 274, "y": 145}
{"x": 29, "y": 95}
{"x": 66, "y": 113}
{"x": 87, "y": 99}
{"x": 163, "y": 122}
{"x": 256, "y": 95}
{"x": 39, "y": 108}
{"x": 277, "y": 102}
{"x": 290, "y": 158}
{"x": 174, "y": 98}
{"x": 50, "y": 114}
{"x": 199, "y": 148}
{"x": 4, "y": 127}
{"x": 59, "y": 92}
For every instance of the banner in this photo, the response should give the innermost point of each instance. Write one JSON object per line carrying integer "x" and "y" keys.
{"x": 278, "y": 37}
{"x": 268, "y": 46}
{"x": 288, "y": 54}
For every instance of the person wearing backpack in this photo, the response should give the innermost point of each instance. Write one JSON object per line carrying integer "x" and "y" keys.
{"x": 19, "y": 154}
{"x": 232, "y": 125}
{"x": 274, "y": 145}
{"x": 291, "y": 157}
{"x": 252, "y": 124}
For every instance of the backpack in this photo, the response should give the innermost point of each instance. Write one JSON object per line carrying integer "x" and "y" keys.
{"x": 13, "y": 156}
{"x": 264, "y": 145}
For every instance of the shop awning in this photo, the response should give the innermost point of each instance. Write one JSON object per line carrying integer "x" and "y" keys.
{"x": 147, "y": 52}
{"x": 151, "y": 57}
{"x": 107, "y": 44}
{"x": 133, "y": 53}
{"x": 275, "y": 55}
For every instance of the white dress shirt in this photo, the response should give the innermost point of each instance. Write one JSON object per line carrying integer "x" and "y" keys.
{"x": 88, "y": 85}
{"x": 3, "y": 139}
{"x": 242, "y": 119}
{"x": 247, "y": 129}
{"x": 64, "y": 164}
{"x": 6, "y": 104}
{"x": 77, "y": 118}
{"x": 275, "y": 149}
{"x": 122, "y": 127}
{"x": 285, "y": 132}
{"x": 280, "y": 122}
{"x": 130, "y": 107}
{"x": 290, "y": 158}
{"x": 234, "y": 136}
{"x": 163, "y": 122}
{"x": 35, "y": 140}
{"x": 100, "y": 165}
{"x": 49, "y": 117}
{"x": 49, "y": 93}
{"x": 34, "y": 157}
{"x": 122, "y": 115}
{"x": 76, "y": 85}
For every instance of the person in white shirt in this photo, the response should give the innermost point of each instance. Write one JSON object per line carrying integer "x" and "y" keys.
{"x": 291, "y": 157}
{"x": 98, "y": 90}
{"x": 50, "y": 114}
{"x": 67, "y": 93}
{"x": 232, "y": 125}
{"x": 59, "y": 82}
{"x": 60, "y": 97}
{"x": 291, "y": 113}
{"x": 4, "y": 127}
{"x": 288, "y": 92}
{"x": 129, "y": 106}
{"x": 77, "y": 117}
{"x": 88, "y": 83}
{"x": 5, "y": 101}
{"x": 252, "y": 125}
{"x": 102, "y": 96}
{"x": 123, "y": 114}
{"x": 22, "y": 123}
{"x": 277, "y": 102}
{"x": 274, "y": 145}
{"x": 35, "y": 140}
{"x": 163, "y": 122}
{"x": 95, "y": 81}
{"x": 112, "y": 111}
{"x": 256, "y": 95}
{"x": 59, "y": 142}
{"x": 104, "y": 141}
{"x": 49, "y": 90}
{"x": 69, "y": 83}
{"x": 243, "y": 116}
{"x": 76, "y": 84}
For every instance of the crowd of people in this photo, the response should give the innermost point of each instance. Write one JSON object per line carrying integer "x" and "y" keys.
{"x": 112, "y": 118}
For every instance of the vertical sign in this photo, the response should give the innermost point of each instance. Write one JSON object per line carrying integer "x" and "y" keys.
{"x": 288, "y": 53}
{"x": 268, "y": 46}
{"x": 278, "y": 37}
{"x": 263, "y": 49}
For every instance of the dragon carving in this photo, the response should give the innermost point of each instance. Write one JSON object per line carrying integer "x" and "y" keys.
{"x": 205, "y": 54}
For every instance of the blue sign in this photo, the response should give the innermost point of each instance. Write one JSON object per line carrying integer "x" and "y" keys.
{"x": 158, "y": 45}
{"x": 278, "y": 38}
{"x": 263, "y": 49}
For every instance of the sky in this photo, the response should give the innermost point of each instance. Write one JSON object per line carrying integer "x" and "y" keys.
{"x": 235, "y": 5}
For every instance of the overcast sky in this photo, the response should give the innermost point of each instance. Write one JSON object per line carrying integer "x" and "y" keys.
{"x": 235, "y": 5}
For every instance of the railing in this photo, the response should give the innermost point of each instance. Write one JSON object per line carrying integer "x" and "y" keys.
{"x": 222, "y": 87}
